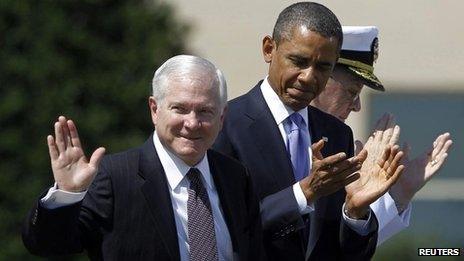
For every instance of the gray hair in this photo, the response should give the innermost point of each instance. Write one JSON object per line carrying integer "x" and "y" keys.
{"x": 183, "y": 66}
{"x": 313, "y": 16}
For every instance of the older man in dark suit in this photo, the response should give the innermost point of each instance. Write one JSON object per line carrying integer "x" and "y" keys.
{"x": 270, "y": 129}
{"x": 170, "y": 199}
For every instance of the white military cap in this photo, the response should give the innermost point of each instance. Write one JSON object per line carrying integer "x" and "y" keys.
{"x": 359, "y": 52}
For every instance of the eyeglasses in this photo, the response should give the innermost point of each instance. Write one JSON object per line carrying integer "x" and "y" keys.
{"x": 352, "y": 89}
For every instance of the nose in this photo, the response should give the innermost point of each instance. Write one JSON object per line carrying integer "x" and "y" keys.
{"x": 192, "y": 121}
{"x": 306, "y": 76}
{"x": 356, "y": 104}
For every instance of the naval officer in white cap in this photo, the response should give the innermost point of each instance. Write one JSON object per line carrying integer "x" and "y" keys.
{"x": 340, "y": 97}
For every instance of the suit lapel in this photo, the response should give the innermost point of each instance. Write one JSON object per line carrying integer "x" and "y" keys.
{"x": 155, "y": 190}
{"x": 268, "y": 139}
{"x": 314, "y": 125}
{"x": 226, "y": 189}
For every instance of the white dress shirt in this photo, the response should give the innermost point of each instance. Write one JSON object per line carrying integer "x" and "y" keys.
{"x": 280, "y": 112}
{"x": 178, "y": 184}
{"x": 176, "y": 171}
{"x": 390, "y": 221}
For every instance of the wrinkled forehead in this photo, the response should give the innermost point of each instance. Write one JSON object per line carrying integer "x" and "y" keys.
{"x": 189, "y": 86}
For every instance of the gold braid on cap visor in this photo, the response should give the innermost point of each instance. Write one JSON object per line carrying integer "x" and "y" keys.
{"x": 356, "y": 64}
{"x": 364, "y": 70}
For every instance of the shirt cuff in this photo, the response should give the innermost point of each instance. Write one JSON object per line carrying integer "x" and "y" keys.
{"x": 56, "y": 198}
{"x": 360, "y": 226}
{"x": 385, "y": 210}
{"x": 405, "y": 216}
{"x": 303, "y": 205}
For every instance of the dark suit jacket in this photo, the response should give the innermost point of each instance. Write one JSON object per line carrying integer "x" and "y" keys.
{"x": 127, "y": 212}
{"x": 251, "y": 135}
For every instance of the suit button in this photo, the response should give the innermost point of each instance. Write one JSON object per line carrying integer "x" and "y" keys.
{"x": 34, "y": 218}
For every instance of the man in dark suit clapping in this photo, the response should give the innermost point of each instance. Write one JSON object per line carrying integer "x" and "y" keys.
{"x": 305, "y": 210}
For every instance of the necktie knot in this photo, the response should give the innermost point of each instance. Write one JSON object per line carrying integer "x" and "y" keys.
{"x": 194, "y": 176}
{"x": 294, "y": 122}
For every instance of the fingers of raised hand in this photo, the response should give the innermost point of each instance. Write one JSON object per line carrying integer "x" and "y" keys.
{"x": 74, "y": 136}
{"x": 438, "y": 145}
{"x": 350, "y": 179}
{"x": 64, "y": 126}
{"x": 395, "y": 176}
{"x": 395, "y": 135}
{"x": 328, "y": 162}
{"x": 59, "y": 137}
{"x": 441, "y": 144}
{"x": 394, "y": 162}
{"x": 385, "y": 156}
{"x": 388, "y": 131}
{"x": 96, "y": 158}
{"x": 316, "y": 149}
{"x": 361, "y": 157}
{"x": 334, "y": 179}
{"x": 439, "y": 151}
{"x": 52, "y": 148}
{"x": 340, "y": 170}
{"x": 66, "y": 135}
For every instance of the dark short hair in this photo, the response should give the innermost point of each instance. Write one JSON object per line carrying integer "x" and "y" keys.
{"x": 313, "y": 16}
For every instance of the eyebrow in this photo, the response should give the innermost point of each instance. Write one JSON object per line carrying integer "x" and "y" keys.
{"x": 303, "y": 57}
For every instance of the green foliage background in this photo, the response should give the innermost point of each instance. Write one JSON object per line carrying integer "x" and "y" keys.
{"x": 91, "y": 60}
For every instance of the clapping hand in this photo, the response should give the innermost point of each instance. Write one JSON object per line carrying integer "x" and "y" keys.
{"x": 379, "y": 171}
{"x": 374, "y": 181}
{"x": 329, "y": 174}
{"x": 420, "y": 170}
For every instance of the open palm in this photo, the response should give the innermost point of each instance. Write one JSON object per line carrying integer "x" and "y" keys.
{"x": 420, "y": 170}
{"x": 375, "y": 179}
{"x": 71, "y": 169}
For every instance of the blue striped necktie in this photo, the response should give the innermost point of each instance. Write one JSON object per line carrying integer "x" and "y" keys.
{"x": 297, "y": 144}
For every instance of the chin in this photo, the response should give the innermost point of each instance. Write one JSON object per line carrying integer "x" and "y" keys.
{"x": 189, "y": 155}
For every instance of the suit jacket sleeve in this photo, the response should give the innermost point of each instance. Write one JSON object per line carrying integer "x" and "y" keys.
{"x": 72, "y": 228}
{"x": 257, "y": 251}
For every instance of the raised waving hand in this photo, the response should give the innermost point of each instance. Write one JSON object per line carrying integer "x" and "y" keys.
{"x": 72, "y": 170}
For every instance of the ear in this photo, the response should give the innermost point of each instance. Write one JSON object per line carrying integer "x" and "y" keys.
{"x": 153, "y": 109}
{"x": 268, "y": 47}
{"x": 223, "y": 115}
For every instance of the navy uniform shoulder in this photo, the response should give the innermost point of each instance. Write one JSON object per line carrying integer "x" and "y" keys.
{"x": 328, "y": 118}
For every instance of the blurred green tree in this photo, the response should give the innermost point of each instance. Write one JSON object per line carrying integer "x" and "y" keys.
{"x": 91, "y": 60}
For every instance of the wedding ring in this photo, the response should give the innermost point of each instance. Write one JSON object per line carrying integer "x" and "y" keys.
{"x": 434, "y": 162}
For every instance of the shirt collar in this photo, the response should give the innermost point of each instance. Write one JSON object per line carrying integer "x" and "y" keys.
{"x": 176, "y": 169}
{"x": 279, "y": 110}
